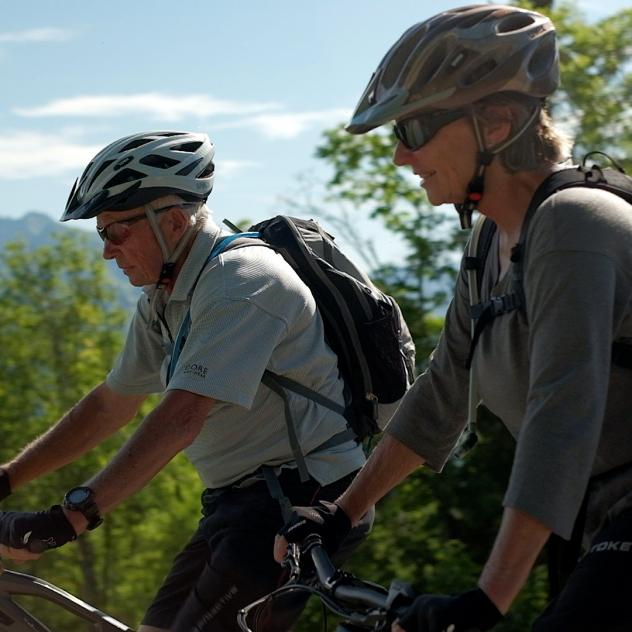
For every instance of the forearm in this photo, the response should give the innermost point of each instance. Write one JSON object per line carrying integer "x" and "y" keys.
{"x": 518, "y": 544}
{"x": 167, "y": 430}
{"x": 98, "y": 415}
{"x": 389, "y": 464}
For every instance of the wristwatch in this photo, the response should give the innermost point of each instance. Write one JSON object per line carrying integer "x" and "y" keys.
{"x": 82, "y": 499}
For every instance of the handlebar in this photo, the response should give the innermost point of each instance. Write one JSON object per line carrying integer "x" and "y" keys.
{"x": 362, "y": 604}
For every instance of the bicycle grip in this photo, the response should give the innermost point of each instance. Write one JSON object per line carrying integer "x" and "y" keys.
{"x": 325, "y": 568}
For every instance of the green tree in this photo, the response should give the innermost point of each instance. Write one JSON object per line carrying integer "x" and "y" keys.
{"x": 60, "y": 331}
{"x": 437, "y": 530}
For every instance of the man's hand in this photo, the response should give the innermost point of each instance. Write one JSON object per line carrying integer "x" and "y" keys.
{"x": 35, "y": 531}
{"x": 472, "y": 610}
{"x": 326, "y": 520}
{"x": 5, "y": 485}
{"x": 16, "y": 555}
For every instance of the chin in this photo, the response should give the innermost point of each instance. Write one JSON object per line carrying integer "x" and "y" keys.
{"x": 138, "y": 282}
{"x": 435, "y": 199}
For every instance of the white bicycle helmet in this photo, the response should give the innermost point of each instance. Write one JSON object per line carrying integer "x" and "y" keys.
{"x": 137, "y": 169}
{"x": 458, "y": 57}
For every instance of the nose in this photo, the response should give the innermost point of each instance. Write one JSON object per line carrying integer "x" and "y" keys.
{"x": 402, "y": 155}
{"x": 109, "y": 249}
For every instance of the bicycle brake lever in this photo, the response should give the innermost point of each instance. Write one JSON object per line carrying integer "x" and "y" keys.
{"x": 400, "y": 596}
{"x": 292, "y": 561}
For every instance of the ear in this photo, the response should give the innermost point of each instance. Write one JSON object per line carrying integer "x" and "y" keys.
{"x": 176, "y": 221}
{"x": 496, "y": 124}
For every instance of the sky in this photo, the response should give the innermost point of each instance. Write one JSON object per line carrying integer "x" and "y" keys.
{"x": 263, "y": 79}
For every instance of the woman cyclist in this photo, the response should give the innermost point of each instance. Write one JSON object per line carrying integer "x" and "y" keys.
{"x": 467, "y": 91}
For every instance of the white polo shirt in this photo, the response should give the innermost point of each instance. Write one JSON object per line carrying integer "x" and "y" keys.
{"x": 249, "y": 312}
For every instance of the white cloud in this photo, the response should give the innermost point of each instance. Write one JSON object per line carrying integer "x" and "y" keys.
{"x": 266, "y": 118}
{"x": 47, "y": 34}
{"x": 26, "y": 155}
{"x": 160, "y": 106}
{"x": 290, "y": 125}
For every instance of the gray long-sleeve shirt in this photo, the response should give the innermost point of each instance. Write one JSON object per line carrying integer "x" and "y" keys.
{"x": 548, "y": 376}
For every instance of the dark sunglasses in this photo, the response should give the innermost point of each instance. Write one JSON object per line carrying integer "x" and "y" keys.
{"x": 118, "y": 232}
{"x": 415, "y": 132}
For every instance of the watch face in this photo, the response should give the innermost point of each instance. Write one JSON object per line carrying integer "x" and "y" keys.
{"x": 78, "y": 495}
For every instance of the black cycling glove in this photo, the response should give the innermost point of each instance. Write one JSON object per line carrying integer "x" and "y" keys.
{"x": 472, "y": 611}
{"x": 36, "y": 531}
{"x": 5, "y": 485}
{"x": 326, "y": 520}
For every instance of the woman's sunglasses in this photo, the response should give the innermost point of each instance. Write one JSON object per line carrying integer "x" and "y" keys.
{"x": 118, "y": 232}
{"x": 415, "y": 132}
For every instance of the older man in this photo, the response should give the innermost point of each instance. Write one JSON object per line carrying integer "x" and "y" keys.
{"x": 248, "y": 311}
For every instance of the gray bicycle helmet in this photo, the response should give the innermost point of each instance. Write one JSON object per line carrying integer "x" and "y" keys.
{"x": 137, "y": 169}
{"x": 458, "y": 57}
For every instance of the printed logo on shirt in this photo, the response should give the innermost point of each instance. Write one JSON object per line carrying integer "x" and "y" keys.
{"x": 612, "y": 545}
{"x": 195, "y": 369}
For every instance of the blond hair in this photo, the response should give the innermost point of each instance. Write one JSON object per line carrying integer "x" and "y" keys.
{"x": 541, "y": 143}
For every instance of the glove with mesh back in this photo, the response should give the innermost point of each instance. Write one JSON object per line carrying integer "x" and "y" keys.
{"x": 472, "y": 611}
{"x": 326, "y": 520}
{"x": 35, "y": 531}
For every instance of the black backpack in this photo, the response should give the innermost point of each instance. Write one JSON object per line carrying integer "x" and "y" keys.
{"x": 483, "y": 313}
{"x": 363, "y": 326}
{"x": 610, "y": 179}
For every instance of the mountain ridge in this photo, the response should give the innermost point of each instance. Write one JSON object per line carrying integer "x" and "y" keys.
{"x": 36, "y": 229}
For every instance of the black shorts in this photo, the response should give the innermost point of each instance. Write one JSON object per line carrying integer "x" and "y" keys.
{"x": 597, "y": 596}
{"x": 228, "y": 562}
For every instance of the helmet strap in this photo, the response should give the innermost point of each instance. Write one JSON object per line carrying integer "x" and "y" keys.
{"x": 168, "y": 269}
{"x": 476, "y": 186}
{"x": 169, "y": 258}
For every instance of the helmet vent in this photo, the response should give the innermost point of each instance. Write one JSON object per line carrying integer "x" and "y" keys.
{"x": 542, "y": 59}
{"x": 138, "y": 142}
{"x": 477, "y": 17}
{"x": 85, "y": 172}
{"x": 515, "y": 22}
{"x": 127, "y": 175}
{"x": 397, "y": 61}
{"x": 101, "y": 169}
{"x": 186, "y": 170}
{"x": 160, "y": 162}
{"x": 479, "y": 72}
{"x": 187, "y": 147}
{"x": 210, "y": 169}
{"x": 431, "y": 66}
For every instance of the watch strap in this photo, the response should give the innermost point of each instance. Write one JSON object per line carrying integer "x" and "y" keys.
{"x": 88, "y": 508}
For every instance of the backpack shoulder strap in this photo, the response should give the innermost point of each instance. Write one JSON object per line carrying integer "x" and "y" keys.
{"x": 477, "y": 250}
{"x": 222, "y": 244}
{"x": 476, "y": 254}
{"x": 608, "y": 179}
{"x": 276, "y": 383}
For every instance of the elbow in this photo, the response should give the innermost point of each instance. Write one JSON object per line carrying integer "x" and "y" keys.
{"x": 187, "y": 413}
{"x": 187, "y": 430}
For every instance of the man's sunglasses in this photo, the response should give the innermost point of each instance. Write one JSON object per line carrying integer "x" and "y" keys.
{"x": 415, "y": 132}
{"x": 118, "y": 232}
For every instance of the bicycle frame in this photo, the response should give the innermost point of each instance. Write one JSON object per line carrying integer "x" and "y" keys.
{"x": 15, "y": 618}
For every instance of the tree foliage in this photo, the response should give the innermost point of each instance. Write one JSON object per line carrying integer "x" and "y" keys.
{"x": 60, "y": 331}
